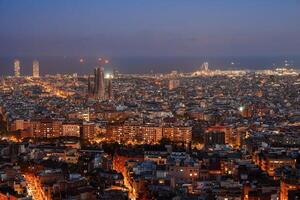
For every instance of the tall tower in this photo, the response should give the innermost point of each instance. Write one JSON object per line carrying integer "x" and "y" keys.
{"x": 17, "y": 68}
{"x": 116, "y": 74}
{"x": 36, "y": 69}
{"x": 205, "y": 66}
{"x": 109, "y": 87}
{"x": 89, "y": 90}
{"x": 96, "y": 81}
{"x": 99, "y": 85}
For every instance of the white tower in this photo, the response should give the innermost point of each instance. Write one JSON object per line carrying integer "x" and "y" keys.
{"x": 36, "y": 69}
{"x": 17, "y": 68}
{"x": 204, "y": 66}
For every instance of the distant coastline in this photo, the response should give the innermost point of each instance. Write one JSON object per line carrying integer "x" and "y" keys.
{"x": 155, "y": 64}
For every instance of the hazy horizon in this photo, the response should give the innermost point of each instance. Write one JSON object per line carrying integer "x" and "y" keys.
{"x": 118, "y": 28}
{"x": 142, "y": 35}
{"x": 139, "y": 64}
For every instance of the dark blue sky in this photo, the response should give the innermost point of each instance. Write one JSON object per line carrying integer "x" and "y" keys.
{"x": 149, "y": 27}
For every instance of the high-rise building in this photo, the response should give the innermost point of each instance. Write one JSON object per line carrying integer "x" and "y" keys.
{"x": 36, "y": 69}
{"x": 17, "y": 68}
{"x": 116, "y": 74}
{"x": 90, "y": 87}
{"x": 109, "y": 88}
{"x": 204, "y": 66}
{"x": 96, "y": 80}
{"x": 99, "y": 85}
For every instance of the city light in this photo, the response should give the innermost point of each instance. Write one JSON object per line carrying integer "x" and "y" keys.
{"x": 241, "y": 108}
{"x": 149, "y": 100}
{"x": 108, "y": 76}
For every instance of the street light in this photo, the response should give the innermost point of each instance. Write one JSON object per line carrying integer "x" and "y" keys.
{"x": 241, "y": 108}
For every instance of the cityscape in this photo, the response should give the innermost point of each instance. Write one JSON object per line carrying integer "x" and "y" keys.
{"x": 205, "y": 134}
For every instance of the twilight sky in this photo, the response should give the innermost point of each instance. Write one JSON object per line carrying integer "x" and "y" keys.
{"x": 149, "y": 27}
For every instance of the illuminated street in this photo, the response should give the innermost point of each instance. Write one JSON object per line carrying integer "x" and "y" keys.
{"x": 32, "y": 188}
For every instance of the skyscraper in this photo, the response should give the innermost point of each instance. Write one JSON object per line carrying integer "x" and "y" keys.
{"x": 36, "y": 69}
{"x": 204, "y": 66}
{"x": 17, "y": 68}
{"x": 109, "y": 87}
{"x": 99, "y": 86}
{"x": 116, "y": 74}
{"x": 90, "y": 87}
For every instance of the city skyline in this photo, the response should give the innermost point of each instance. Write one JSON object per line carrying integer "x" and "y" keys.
{"x": 145, "y": 36}
{"x": 141, "y": 65}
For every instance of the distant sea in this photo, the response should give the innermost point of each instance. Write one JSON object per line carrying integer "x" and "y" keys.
{"x": 139, "y": 65}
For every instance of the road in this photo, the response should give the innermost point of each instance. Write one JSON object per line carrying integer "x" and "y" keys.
{"x": 32, "y": 188}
